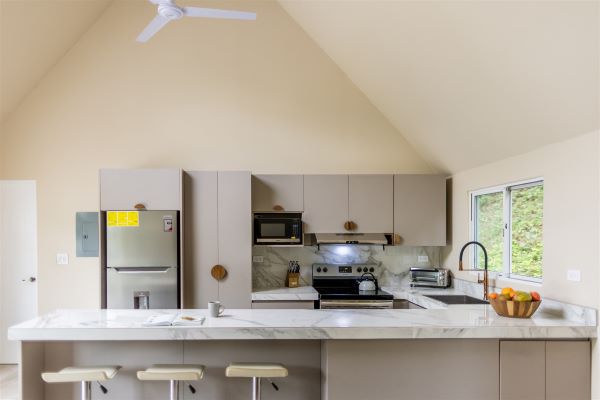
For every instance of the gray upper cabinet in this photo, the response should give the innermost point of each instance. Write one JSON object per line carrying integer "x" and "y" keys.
{"x": 420, "y": 210}
{"x": 277, "y": 193}
{"x": 364, "y": 201}
{"x": 156, "y": 189}
{"x": 218, "y": 230}
{"x": 325, "y": 203}
{"x": 371, "y": 203}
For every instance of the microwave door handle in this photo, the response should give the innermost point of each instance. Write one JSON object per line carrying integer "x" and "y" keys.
{"x": 141, "y": 270}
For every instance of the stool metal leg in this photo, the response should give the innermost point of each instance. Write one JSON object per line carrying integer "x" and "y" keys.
{"x": 256, "y": 381}
{"x": 174, "y": 389}
{"x": 86, "y": 390}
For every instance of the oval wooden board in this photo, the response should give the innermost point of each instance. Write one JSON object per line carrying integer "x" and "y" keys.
{"x": 218, "y": 272}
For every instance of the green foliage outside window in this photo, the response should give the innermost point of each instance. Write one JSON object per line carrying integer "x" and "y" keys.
{"x": 526, "y": 228}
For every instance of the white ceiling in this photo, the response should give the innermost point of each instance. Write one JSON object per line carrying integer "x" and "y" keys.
{"x": 470, "y": 82}
{"x": 466, "y": 82}
{"x": 34, "y": 35}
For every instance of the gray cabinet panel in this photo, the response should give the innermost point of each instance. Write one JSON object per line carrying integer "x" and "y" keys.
{"x": 410, "y": 369}
{"x": 371, "y": 203}
{"x": 201, "y": 245}
{"x": 218, "y": 231}
{"x": 522, "y": 370}
{"x": 156, "y": 189}
{"x": 235, "y": 238}
{"x": 420, "y": 210}
{"x": 292, "y": 305}
{"x": 568, "y": 370}
{"x": 270, "y": 191}
{"x": 325, "y": 203}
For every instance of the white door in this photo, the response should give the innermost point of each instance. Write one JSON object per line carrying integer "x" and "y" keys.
{"x": 18, "y": 260}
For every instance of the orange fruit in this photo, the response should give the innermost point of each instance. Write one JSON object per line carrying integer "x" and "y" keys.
{"x": 493, "y": 296}
{"x": 535, "y": 296}
{"x": 512, "y": 294}
{"x": 506, "y": 291}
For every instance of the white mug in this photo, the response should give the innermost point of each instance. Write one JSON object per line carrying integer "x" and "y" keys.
{"x": 215, "y": 308}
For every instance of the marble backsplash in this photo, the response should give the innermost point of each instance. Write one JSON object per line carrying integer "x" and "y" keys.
{"x": 394, "y": 260}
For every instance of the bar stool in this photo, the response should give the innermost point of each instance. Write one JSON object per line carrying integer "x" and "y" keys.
{"x": 174, "y": 373}
{"x": 256, "y": 371}
{"x": 85, "y": 375}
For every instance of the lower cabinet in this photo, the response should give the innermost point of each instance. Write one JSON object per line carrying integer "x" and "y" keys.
{"x": 292, "y": 304}
{"x": 456, "y": 369}
{"x": 551, "y": 370}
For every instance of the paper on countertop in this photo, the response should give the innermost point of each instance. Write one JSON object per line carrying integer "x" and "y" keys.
{"x": 173, "y": 320}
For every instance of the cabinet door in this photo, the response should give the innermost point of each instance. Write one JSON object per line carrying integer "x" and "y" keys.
{"x": 568, "y": 374}
{"x": 156, "y": 189}
{"x": 325, "y": 203}
{"x": 277, "y": 193}
{"x": 371, "y": 203}
{"x": 200, "y": 235}
{"x": 291, "y": 305}
{"x": 235, "y": 238}
{"x": 420, "y": 210}
{"x": 522, "y": 370}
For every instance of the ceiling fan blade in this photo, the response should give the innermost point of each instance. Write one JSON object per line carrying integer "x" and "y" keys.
{"x": 154, "y": 26}
{"x": 216, "y": 13}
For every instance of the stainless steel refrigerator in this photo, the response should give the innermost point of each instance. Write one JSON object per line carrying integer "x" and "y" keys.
{"x": 142, "y": 259}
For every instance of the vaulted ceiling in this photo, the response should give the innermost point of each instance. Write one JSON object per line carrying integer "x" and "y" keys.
{"x": 34, "y": 35}
{"x": 465, "y": 82}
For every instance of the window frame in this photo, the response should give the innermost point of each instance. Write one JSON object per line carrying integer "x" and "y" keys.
{"x": 506, "y": 189}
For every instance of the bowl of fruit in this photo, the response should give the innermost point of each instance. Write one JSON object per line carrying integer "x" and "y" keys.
{"x": 515, "y": 303}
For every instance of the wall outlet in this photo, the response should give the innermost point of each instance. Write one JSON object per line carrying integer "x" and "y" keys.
{"x": 258, "y": 259}
{"x": 62, "y": 258}
{"x": 423, "y": 259}
{"x": 574, "y": 275}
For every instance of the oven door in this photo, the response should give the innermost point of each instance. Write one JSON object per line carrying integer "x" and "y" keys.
{"x": 355, "y": 304}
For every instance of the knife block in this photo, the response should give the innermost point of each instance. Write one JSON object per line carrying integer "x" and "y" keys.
{"x": 292, "y": 279}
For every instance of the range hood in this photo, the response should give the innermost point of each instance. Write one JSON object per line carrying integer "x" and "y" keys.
{"x": 351, "y": 238}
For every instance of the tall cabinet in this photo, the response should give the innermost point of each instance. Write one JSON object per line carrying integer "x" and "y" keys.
{"x": 218, "y": 231}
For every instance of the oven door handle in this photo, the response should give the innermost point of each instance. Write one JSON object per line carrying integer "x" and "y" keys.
{"x": 374, "y": 304}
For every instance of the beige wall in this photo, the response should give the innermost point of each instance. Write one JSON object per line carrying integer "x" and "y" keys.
{"x": 202, "y": 94}
{"x": 571, "y": 193}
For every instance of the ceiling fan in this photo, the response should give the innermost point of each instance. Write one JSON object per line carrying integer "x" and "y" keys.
{"x": 169, "y": 11}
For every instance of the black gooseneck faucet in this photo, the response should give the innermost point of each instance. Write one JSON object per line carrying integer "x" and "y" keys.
{"x": 485, "y": 267}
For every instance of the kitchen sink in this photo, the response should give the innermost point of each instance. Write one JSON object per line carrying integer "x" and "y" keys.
{"x": 456, "y": 299}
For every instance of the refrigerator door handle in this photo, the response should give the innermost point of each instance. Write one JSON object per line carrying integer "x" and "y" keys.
{"x": 141, "y": 270}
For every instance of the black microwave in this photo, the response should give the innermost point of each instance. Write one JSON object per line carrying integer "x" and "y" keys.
{"x": 278, "y": 228}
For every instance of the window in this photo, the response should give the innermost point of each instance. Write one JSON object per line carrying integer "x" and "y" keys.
{"x": 508, "y": 221}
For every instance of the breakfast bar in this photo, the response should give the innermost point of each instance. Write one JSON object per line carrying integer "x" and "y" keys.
{"x": 399, "y": 351}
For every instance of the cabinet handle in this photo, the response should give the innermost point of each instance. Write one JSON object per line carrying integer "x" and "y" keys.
{"x": 353, "y": 225}
{"x": 397, "y": 239}
{"x": 140, "y": 207}
{"x": 349, "y": 225}
{"x": 277, "y": 207}
{"x": 218, "y": 272}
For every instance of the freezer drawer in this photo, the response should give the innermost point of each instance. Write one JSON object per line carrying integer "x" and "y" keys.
{"x": 152, "y": 241}
{"x": 140, "y": 287}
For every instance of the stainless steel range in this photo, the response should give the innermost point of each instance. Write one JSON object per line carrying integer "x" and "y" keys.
{"x": 339, "y": 286}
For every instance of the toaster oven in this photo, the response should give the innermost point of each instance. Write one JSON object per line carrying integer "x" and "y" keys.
{"x": 429, "y": 277}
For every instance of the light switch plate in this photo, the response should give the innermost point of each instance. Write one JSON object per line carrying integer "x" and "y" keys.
{"x": 574, "y": 275}
{"x": 62, "y": 258}
{"x": 423, "y": 259}
{"x": 258, "y": 259}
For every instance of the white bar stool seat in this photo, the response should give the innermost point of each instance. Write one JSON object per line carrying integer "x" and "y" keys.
{"x": 174, "y": 373}
{"x": 85, "y": 375}
{"x": 256, "y": 371}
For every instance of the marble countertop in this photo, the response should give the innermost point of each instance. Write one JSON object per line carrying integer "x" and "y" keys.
{"x": 479, "y": 321}
{"x": 302, "y": 293}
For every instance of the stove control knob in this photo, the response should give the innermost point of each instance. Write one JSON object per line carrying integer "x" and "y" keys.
{"x": 371, "y": 269}
{"x": 359, "y": 269}
{"x": 324, "y": 269}
{"x": 318, "y": 269}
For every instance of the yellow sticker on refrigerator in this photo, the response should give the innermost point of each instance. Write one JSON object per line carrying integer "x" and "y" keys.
{"x": 123, "y": 218}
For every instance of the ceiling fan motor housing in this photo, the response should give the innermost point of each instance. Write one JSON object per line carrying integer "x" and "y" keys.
{"x": 170, "y": 11}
